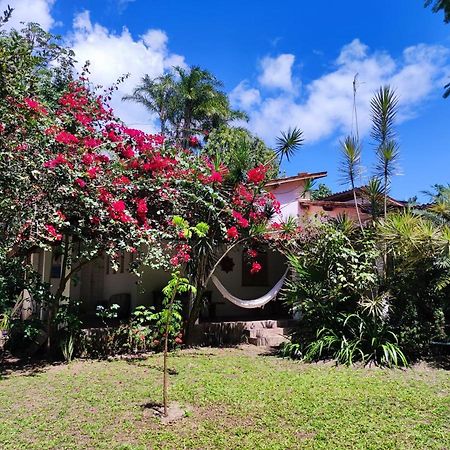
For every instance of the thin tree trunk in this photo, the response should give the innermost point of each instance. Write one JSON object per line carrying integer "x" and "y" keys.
{"x": 166, "y": 351}
{"x": 356, "y": 207}
{"x": 53, "y": 308}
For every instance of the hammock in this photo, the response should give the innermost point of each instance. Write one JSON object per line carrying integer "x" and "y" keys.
{"x": 254, "y": 303}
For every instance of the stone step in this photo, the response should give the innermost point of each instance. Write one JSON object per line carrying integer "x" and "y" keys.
{"x": 263, "y": 332}
{"x": 269, "y": 324}
{"x": 272, "y": 341}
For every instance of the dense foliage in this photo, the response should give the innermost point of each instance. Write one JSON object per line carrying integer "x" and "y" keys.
{"x": 76, "y": 181}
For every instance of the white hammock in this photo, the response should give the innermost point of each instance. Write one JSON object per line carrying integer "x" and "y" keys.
{"x": 254, "y": 303}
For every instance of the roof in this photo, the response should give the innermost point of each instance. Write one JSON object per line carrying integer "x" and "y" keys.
{"x": 360, "y": 191}
{"x": 326, "y": 203}
{"x": 298, "y": 177}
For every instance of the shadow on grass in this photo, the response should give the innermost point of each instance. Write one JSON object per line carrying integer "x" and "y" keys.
{"x": 26, "y": 366}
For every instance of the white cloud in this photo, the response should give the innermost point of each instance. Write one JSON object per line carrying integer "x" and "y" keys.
{"x": 277, "y": 72}
{"x": 245, "y": 97}
{"x": 29, "y": 11}
{"x": 325, "y": 108}
{"x": 113, "y": 55}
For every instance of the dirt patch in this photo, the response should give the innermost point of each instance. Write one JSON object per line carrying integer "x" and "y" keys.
{"x": 175, "y": 412}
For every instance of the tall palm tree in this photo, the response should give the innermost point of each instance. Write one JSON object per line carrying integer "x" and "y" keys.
{"x": 384, "y": 109}
{"x": 186, "y": 101}
{"x": 158, "y": 96}
{"x": 201, "y": 103}
{"x": 350, "y": 167}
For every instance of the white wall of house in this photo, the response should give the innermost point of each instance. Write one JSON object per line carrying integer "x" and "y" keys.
{"x": 289, "y": 194}
{"x": 97, "y": 285}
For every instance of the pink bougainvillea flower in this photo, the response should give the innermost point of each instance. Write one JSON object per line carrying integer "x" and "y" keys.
{"x": 35, "y": 106}
{"x": 242, "y": 221}
{"x": 88, "y": 159}
{"x": 64, "y": 137}
{"x": 232, "y": 233}
{"x": 60, "y": 159}
{"x": 92, "y": 172}
{"x": 252, "y": 253}
{"x": 118, "y": 206}
{"x": 51, "y": 230}
{"x": 257, "y": 174}
{"x": 91, "y": 142}
{"x": 83, "y": 119}
{"x": 256, "y": 267}
{"x": 127, "y": 153}
{"x": 80, "y": 182}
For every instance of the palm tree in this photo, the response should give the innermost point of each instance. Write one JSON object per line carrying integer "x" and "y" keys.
{"x": 384, "y": 108}
{"x": 186, "y": 101}
{"x": 351, "y": 167}
{"x": 202, "y": 105}
{"x": 157, "y": 95}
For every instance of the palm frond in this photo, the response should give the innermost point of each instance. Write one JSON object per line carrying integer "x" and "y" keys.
{"x": 288, "y": 143}
{"x": 384, "y": 108}
{"x": 350, "y": 166}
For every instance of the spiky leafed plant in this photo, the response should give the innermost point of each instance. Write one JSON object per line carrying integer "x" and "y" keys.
{"x": 375, "y": 196}
{"x": 384, "y": 109}
{"x": 288, "y": 143}
{"x": 350, "y": 167}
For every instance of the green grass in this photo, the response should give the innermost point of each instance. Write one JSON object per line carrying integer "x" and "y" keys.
{"x": 235, "y": 400}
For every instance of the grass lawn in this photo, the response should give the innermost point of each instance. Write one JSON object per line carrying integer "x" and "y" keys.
{"x": 235, "y": 399}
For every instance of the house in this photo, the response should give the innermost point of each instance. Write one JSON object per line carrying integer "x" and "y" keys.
{"x": 98, "y": 284}
{"x": 344, "y": 203}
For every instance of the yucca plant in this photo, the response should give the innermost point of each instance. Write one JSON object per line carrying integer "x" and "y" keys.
{"x": 350, "y": 167}
{"x": 288, "y": 143}
{"x": 384, "y": 109}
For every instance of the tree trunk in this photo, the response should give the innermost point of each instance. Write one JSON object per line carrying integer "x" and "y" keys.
{"x": 357, "y": 208}
{"x": 193, "y": 315}
{"x": 166, "y": 351}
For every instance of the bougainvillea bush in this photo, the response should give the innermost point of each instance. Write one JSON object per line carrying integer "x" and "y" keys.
{"x": 74, "y": 178}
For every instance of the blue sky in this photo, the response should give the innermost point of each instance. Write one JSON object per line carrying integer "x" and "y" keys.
{"x": 286, "y": 63}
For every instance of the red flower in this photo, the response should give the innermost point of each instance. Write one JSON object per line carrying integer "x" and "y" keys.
{"x": 92, "y": 172}
{"x": 256, "y": 267}
{"x": 35, "y": 106}
{"x": 64, "y": 137}
{"x": 60, "y": 159}
{"x": 80, "y": 182}
{"x": 242, "y": 221}
{"x": 88, "y": 159}
{"x": 252, "y": 253}
{"x": 174, "y": 261}
{"x": 193, "y": 141}
{"x": 90, "y": 142}
{"x": 52, "y": 232}
{"x": 119, "y": 206}
{"x": 128, "y": 153}
{"x": 257, "y": 174}
{"x": 83, "y": 119}
{"x": 232, "y": 233}
{"x": 216, "y": 177}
